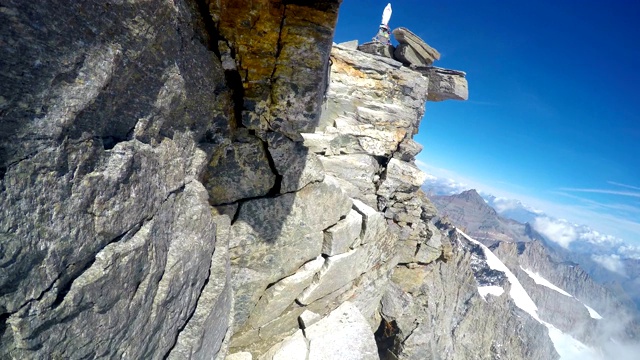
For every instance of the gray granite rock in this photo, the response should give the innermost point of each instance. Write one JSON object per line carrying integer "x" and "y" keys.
{"x": 294, "y": 163}
{"x": 205, "y": 331}
{"x": 239, "y": 170}
{"x": 408, "y": 150}
{"x": 308, "y": 318}
{"x": 282, "y": 294}
{"x": 377, "y": 48}
{"x": 355, "y": 173}
{"x": 400, "y": 177}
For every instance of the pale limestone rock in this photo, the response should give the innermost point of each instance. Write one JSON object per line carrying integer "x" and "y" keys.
{"x": 370, "y": 287}
{"x": 395, "y": 302}
{"x": 351, "y": 45}
{"x": 243, "y": 355}
{"x": 343, "y": 235}
{"x": 427, "y": 253}
{"x": 281, "y": 294}
{"x": 394, "y": 95}
{"x": 421, "y": 48}
{"x": 308, "y": 318}
{"x": 272, "y": 237}
{"x": 295, "y": 163}
{"x": 337, "y": 271}
{"x": 447, "y": 84}
{"x": 295, "y": 347}
{"x": 409, "y": 279}
{"x": 277, "y": 329}
{"x": 374, "y": 223}
{"x": 377, "y": 141}
{"x": 408, "y": 150}
{"x": 400, "y": 177}
{"x": 407, "y": 251}
{"x": 355, "y": 172}
{"x": 344, "y": 335}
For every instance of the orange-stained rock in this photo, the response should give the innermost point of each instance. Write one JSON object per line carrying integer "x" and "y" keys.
{"x": 281, "y": 52}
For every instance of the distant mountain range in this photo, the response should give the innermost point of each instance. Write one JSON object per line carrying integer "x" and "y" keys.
{"x": 591, "y": 310}
{"x": 480, "y": 220}
{"x": 606, "y": 259}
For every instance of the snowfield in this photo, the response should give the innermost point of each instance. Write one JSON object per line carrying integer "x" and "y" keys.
{"x": 567, "y": 347}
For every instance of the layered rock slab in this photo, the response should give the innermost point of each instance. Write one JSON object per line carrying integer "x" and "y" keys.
{"x": 344, "y": 334}
{"x": 412, "y": 49}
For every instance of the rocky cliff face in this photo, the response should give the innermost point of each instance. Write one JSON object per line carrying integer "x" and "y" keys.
{"x": 122, "y": 123}
{"x": 173, "y": 186}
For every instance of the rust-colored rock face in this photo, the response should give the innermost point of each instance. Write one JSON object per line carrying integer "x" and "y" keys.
{"x": 281, "y": 50}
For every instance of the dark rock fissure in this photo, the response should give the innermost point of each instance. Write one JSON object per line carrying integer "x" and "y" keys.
{"x": 279, "y": 43}
{"x": 3, "y": 323}
{"x": 275, "y": 190}
{"x": 210, "y": 27}
{"x": 109, "y": 142}
{"x": 385, "y": 336}
{"x": 66, "y": 286}
{"x": 232, "y": 77}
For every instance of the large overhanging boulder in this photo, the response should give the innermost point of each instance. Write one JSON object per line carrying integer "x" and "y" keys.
{"x": 445, "y": 84}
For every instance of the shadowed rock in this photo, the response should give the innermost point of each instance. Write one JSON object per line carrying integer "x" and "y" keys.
{"x": 376, "y": 48}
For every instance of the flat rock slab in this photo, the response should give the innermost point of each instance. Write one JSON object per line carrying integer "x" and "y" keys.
{"x": 405, "y": 36}
{"x": 351, "y": 45}
{"x": 344, "y": 334}
{"x": 377, "y": 48}
{"x": 444, "y": 84}
{"x": 409, "y": 56}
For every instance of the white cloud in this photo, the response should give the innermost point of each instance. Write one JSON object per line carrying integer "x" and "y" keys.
{"x": 629, "y": 252}
{"x": 610, "y": 262}
{"x": 502, "y": 204}
{"x": 604, "y": 191}
{"x": 624, "y": 185}
{"x": 559, "y": 231}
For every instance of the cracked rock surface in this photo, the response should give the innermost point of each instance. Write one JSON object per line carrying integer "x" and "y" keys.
{"x": 107, "y": 234}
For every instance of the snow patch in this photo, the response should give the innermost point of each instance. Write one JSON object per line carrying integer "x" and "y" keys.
{"x": 567, "y": 347}
{"x": 544, "y": 282}
{"x": 491, "y": 289}
{"x": 594, "y": 314}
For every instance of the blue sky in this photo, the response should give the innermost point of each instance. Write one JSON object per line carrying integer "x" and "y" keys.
{"x": 553, "y": 116}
